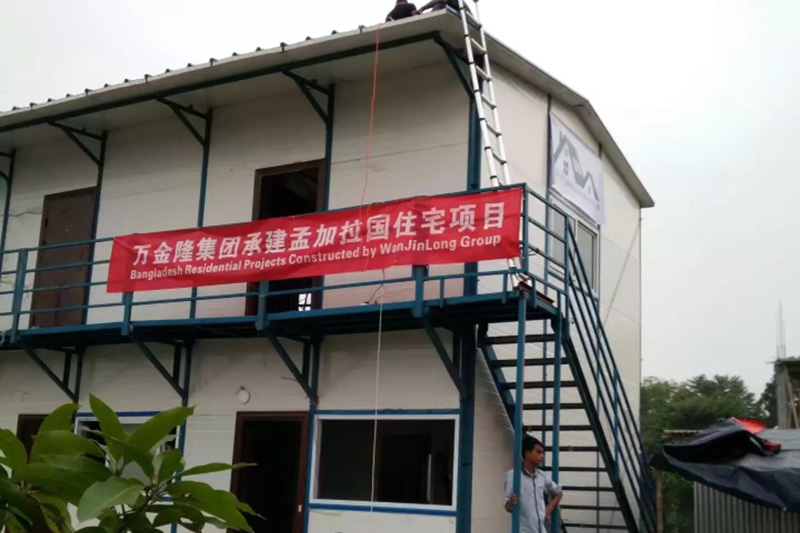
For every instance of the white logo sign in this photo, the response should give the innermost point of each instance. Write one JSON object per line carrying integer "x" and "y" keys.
{"x": 576, "y": 171}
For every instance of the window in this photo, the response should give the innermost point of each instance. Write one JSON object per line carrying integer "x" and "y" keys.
{"x": 586, "y": 239}
{"x": 414, "y": 460}
{"x": 86, "y": 426}
{"x": 288, "y": 190}
{"x": 587, "y": 248}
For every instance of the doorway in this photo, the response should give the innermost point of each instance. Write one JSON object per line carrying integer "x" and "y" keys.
{"x": 66, "y": 217}
{"x": 277, "y": 443}
{"x": 284, "y": 191}
{"x": 27, "y": 428}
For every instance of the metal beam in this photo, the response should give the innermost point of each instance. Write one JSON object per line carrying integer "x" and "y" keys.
{"x": 181, "y": 111}
{"x": 453, "y": 58}
{"x": 309, "y": 83}
{"x": 73, "y": 135}
{"x": 298, "y": 375}
{"x": 172, "y": 380}
{"x": 64, "y": 381}
{"x": 362, "y": 50}
{"x": 305, "y": 87}
{"x": 442, "y": 351}
{"x": 9, "y": 179}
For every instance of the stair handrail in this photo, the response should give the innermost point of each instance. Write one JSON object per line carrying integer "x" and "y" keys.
{"x": 603, "y": 348}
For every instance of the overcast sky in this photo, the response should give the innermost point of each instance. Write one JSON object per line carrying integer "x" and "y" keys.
{"x": 701, "y": 95}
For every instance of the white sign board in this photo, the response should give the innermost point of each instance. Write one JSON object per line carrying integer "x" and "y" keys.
{"x": 576, "y": 171}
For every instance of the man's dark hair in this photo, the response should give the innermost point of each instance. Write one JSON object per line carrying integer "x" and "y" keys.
{"x": 529, "y": 443}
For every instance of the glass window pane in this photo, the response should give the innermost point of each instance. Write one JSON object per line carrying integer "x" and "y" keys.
{"x": 413, "y": 461}
{"x": 587, "y": 248}
{"x": 558, "y": 228}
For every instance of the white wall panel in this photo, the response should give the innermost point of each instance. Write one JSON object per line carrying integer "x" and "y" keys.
{"x": 411, "y": 375}
{"x": 328, "y": 521}
{"x": 523, "y": 117}
{"x": 493, "y": 455}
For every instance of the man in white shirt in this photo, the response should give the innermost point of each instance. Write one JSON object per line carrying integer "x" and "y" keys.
{"x": 534, "y": 486}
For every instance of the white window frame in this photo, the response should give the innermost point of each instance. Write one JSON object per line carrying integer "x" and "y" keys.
{"x": 313, "y": 500}
{"x": 595, "y": 281}
{"x": 124, "y": 418}
{"x": 578, "y": 219}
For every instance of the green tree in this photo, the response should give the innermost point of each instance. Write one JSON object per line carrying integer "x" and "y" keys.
{"x": 65, "y": 469}
{"x": 769, "y": 404}
{"x": 690, "y": 405}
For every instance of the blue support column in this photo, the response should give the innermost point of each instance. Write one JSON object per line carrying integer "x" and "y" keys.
{"x": 561, "y": 326}
{"x": 548, "y": 253}
{"x": 466, "y": 428}
{"x": 101, "y": 165}
{"x": 519, "y": 401}
{"x": 19, "y": 288}
{"x": 466, "y": 431}
{"x": 312, "y": 415}
{"x": 204, "y": 139}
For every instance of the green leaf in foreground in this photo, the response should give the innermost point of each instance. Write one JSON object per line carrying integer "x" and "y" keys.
{"x": 219, "y": 503}
{"x": 210, "y": 468}
{"x": 146, "y": 436}
{"x": 105, "y": 494}
{"x": 60, "y": 419}
{"x": 12, "y": 449}
{"x": 62, "y": 442}
{"x": 109, "y": 423}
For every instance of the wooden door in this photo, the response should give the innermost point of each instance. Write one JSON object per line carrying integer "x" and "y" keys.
{"x": 66, "y": 217}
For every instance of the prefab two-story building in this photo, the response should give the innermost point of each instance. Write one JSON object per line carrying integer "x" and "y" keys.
{"x": 378, "y": 400}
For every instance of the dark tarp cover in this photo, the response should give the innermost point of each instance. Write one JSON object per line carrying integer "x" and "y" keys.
{"x": 740, "y": 459}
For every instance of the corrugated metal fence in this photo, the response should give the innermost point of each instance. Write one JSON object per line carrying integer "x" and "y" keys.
{"x": 715, "y": 512}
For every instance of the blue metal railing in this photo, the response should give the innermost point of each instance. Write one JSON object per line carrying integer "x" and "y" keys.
{"x": 613, "y": 407}
{"x": 24, "y": 290}
{"x": 562, "y": 275}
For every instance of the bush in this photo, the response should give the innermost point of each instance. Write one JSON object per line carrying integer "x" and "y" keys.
{"x": 65, "y": 469}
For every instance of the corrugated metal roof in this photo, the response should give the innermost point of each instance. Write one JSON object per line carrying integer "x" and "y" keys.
{"x": 442, "y": 22}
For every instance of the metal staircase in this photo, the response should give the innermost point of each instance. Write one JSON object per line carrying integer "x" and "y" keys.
{"x": 562, "y": 385}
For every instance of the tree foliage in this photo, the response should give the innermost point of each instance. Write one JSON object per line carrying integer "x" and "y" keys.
{"x": 690, "y": 405}
{"x": 96, "y": 477}
{"x": 769, "y": 404}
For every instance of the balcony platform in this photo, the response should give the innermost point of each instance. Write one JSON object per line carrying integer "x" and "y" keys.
{"x": 447, "y": 313}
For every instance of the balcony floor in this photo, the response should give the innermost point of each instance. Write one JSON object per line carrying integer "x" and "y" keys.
{"x": 459, "y": 311}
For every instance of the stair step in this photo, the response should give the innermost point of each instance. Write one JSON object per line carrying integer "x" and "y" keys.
{"x": 589, "y": 508}
{"x": 575, "y": 525}
{"x": 549, "y": 406}
{"x": 488, "y": 102}
{"x": 575, "y": 469}
{"x": 529, "y": 339}
{"x": 562, "y": 427}
{"x": 510, "y": 363}
{"x": 574, "y": 449}
{"x": 580, "y": 488}
{"x": 537, "y": 385}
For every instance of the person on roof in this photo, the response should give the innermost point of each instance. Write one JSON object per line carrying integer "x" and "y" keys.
{"x": 437, "y": 5}
{"x": 402, "y": 10}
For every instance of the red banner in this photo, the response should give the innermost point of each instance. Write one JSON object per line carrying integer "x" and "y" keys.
{"x": 419, "y": 231}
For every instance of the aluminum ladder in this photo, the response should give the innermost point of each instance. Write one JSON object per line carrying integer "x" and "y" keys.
{"x": 484, "y": 95}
